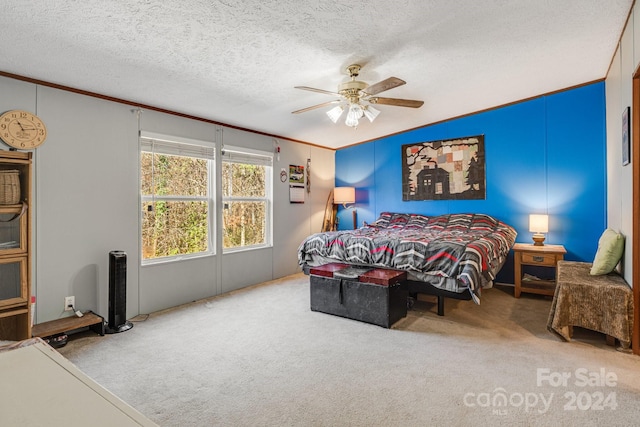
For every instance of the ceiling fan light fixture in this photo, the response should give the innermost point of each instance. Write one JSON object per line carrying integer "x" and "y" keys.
{"x": 353, "y": 93}
{"x": 354, "y": 114}
{"x": 371, "y": 113}
{"x": 335, "y": 113}
{"x": 351, "y": 121}
{"x": 357, "y": 110}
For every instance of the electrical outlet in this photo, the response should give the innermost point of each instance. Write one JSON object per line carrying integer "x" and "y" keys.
{"x": 69, "y": 303}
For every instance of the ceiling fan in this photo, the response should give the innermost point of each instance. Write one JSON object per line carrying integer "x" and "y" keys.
{"x": 357, "y": 97}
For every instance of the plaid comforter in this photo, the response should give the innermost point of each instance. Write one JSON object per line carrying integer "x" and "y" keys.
{"x": 455, "y": 252}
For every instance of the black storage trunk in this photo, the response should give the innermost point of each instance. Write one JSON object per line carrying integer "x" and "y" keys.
{"x": 381, "y": 305}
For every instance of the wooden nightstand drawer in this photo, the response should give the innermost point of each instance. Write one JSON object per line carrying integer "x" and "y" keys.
{"x": 539, "y": 259}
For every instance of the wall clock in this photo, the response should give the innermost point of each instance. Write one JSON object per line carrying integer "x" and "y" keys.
{"x": 22, "y": 129}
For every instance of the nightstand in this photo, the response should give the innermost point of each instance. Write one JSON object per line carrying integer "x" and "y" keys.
{"x": 540, "y": 256}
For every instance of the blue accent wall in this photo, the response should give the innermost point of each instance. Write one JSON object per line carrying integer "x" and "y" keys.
{"x": 545, "y": 155}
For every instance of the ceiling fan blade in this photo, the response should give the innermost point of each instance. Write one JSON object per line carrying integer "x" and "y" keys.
{"x": 313, "y": 107}
{"x": 397, "y": 102}
{"x": 386, "y": 84}
{"x": 313, "y": 89}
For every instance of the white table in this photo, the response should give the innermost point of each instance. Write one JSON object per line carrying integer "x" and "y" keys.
{"x": 39, "y": 387}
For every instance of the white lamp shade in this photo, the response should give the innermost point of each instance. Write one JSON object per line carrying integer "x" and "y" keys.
{"x": 371, "y": 113}
{"x": 344, "y": 195}
{"x": 335, "y": 113}
{"x": 355, "y": 112}
{"x": 539, "y": 223}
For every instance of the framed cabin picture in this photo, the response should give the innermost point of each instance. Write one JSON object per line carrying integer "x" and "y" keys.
{"x": 450, "y": 169}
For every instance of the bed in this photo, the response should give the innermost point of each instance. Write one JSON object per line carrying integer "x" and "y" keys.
{"x": 453, "y": 255}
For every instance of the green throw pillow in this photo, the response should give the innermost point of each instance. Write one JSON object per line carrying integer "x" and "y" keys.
{"x": 610, "y": 247}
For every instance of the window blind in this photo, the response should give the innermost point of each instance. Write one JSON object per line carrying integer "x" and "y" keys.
{"x": 176, "y": 146}
{"x": 247, "y": 156}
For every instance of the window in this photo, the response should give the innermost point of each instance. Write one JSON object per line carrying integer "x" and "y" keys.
{"x": 246, "y": 197}
{"x": 176, "y": 195}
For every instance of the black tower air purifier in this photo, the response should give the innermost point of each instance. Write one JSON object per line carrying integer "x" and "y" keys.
{"x": 118, "y": 293}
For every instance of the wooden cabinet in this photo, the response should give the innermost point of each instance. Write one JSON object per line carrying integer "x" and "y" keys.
{"x": 540, "y": 256}
{"x": 15, "y": 250}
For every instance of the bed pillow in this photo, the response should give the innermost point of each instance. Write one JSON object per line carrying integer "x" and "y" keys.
{"x": 398, "y": 220}
{"x": 417, "y": 222}
{"x": 383, "y": 220}
{"x": 610, "y": 248}
{"x": 482, "y": 222}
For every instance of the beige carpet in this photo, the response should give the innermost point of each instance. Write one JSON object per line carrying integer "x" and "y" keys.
{"x": 260, "y": 357}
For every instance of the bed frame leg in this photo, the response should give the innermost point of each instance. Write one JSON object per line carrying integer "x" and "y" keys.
{"x": 410, "y": 302}
{"x": 440, "y": 305}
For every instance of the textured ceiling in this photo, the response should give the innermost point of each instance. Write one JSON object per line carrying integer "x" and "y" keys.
{"x": 237, "y": 62}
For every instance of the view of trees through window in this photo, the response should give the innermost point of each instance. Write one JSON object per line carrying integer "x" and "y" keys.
{"x": 177, "y": 195}
{"x": 245, "y": 204}
{"x": 175, "y": 205}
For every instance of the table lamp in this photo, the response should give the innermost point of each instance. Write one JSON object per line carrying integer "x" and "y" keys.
{"x": 538, "y": 224}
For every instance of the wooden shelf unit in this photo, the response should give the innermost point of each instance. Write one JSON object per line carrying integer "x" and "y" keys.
{"x": 15, "y": 252}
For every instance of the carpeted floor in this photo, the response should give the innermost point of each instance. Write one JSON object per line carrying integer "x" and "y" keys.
{"x": 260, "y": 357}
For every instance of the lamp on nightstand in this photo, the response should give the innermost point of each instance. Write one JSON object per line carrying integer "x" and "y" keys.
{"x": 538, "y": 224}
{"x": 344, "y": 195}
